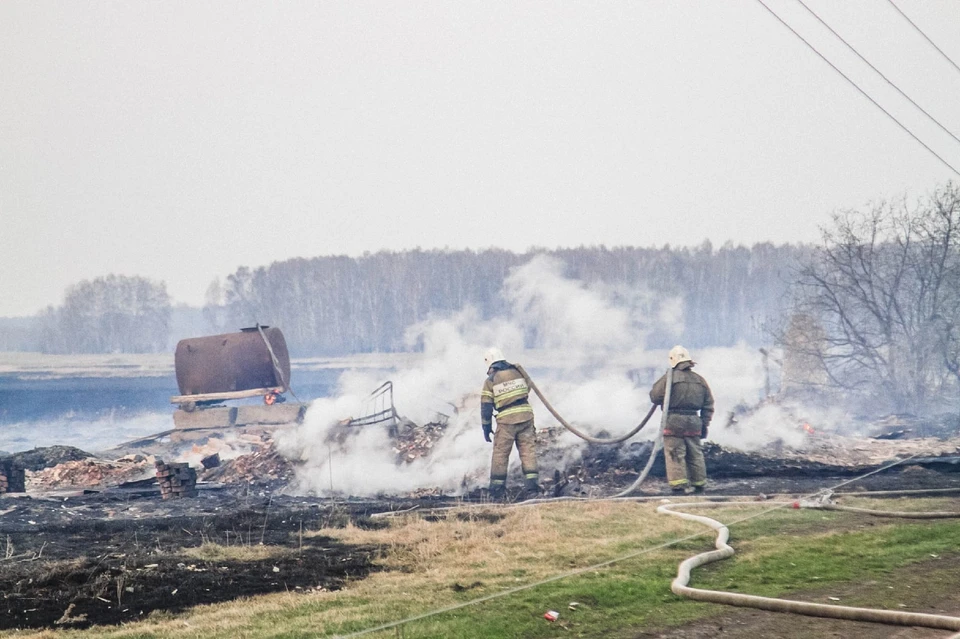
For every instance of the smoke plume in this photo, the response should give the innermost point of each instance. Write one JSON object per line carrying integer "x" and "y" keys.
{"x": 586, "y": 353}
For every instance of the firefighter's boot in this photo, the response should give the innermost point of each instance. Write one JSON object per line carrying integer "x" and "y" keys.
{"x": 497, "y": 492}
{"x": 531, "y": 489}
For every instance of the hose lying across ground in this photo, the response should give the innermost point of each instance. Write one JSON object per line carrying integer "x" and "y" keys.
{"x": 679, "y": 585}
{"x": 657, "y": 444}
{"x": 723, "y": 551}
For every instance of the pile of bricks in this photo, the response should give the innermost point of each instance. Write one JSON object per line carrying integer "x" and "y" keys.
{"x": 177, "y": 480}
{"x": 12, "y": 479}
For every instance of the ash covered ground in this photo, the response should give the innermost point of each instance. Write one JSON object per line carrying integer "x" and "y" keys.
{"x": 110, "y": 558}
{"x": 92, "y": 542}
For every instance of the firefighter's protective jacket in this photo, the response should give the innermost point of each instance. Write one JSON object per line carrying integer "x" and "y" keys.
{"x": 691, "y": 402}
{"x": 505, "y": 390}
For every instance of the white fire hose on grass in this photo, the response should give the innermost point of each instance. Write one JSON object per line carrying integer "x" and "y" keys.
{"x": 723, "y": 551}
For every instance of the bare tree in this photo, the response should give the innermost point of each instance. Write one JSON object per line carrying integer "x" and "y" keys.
{"x": 883, "y": 285}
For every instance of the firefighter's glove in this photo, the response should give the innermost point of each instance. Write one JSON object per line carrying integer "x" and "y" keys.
{"x": 703, "y": 430}
{"x": 487, "y": 431}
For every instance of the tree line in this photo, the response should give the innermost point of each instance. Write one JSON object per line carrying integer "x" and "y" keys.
{"x": 333, "y": 305}
{"x": 111, "y": 314}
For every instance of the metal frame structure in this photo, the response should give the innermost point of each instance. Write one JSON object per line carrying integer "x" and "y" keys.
{"x": 379, "y": 408}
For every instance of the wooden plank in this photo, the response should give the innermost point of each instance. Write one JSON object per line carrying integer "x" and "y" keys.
{"x": 206, "y": 397}
{"x": 286, "y": 413}
{"x": 213, "y": 417}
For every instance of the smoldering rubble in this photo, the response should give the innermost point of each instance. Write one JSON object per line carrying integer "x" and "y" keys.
{"x": 255, "y": 463}
{"x": 130, "y": 527}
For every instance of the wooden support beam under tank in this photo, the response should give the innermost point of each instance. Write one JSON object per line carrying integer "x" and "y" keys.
{"x": 216, "y": 397}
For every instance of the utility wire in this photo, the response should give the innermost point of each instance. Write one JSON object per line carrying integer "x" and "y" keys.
{"x": 857, "y": 87}
{"x": 920, "y": 31}
{"x": 888, "y": 81}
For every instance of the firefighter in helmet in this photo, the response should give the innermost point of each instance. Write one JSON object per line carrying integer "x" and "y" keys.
{"x": 689, "y": 415}
{"x": 505, "y": 392}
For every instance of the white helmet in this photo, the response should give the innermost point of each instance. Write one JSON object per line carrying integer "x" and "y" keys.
{"x": 679, "y": 354}
{"x": 492, "y": 355}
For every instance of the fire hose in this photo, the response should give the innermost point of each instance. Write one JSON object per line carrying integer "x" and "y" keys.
{"x": 723, "y": 551}
{"x": 575, "y": 430}
{"x": 679, "y": 584}
{"x": 657, "y": 444}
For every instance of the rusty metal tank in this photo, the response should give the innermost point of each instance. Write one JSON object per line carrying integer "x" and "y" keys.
{"x": 232, "y": 362}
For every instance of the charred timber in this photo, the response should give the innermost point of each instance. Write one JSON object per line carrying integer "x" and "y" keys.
{"x": 723, "y": 463}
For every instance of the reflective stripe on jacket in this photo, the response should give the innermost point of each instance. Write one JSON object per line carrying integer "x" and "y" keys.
{"x": 505, "y": 390}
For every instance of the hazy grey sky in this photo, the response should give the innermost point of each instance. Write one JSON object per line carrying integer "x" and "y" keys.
{"x": 180, "y": 140}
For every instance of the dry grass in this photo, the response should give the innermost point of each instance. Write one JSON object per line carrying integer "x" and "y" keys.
{"x": 489, "y": 542}
{"x": 480, "y": 550}
{"x": 429, "y": 561}
{"x": 217, "y": 552}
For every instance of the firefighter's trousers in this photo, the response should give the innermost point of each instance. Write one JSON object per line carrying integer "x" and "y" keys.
{"x": 684, "y": 459}
{"x": 507, "y": 434}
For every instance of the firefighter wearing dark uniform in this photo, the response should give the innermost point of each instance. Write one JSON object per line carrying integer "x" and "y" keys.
{"x": 506, "y": 392}
{"x": 689, "y": 415}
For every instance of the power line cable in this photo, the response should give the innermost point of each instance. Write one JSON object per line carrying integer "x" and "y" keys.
{"x": 920, "y": 31}
{"x": 888, "y": 81}
{"x": 857, "y": 87}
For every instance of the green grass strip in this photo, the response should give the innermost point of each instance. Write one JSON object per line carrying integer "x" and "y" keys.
{"x": 636, "y": 594}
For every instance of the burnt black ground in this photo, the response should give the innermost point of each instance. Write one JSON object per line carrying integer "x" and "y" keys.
{"x": 118, "y": 558}
{"x": 119, "y": 555}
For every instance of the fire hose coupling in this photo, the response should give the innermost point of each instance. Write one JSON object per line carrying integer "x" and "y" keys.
{"x": 820, "y": 500}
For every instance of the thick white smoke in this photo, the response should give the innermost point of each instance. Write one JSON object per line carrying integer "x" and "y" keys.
{"x": 592, "y": 366}
{"x": 583, "y": 323}
{"x": 362, "y": 461}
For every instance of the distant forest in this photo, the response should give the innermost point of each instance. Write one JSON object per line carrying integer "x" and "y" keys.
{"x": 336, "y": 305}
